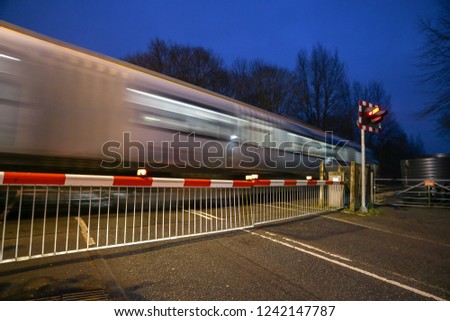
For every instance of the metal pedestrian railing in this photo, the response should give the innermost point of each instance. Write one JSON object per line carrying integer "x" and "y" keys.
{"x": 53, "y": 214}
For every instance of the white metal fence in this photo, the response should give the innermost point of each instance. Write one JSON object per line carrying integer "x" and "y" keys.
{"x": 52, "y": 214}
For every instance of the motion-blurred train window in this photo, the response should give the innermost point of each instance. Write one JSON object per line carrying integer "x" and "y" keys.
{"x": 163, "y": 112}
{"x": 9, "y": 112}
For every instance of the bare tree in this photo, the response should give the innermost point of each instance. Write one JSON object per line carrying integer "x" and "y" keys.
{"x": 261, "y": 84}
{"x": 241, "y": 81}
{"x": 194, "y": 65}
{"x": 321, "y": 86}
{"x": 436, "y": 61}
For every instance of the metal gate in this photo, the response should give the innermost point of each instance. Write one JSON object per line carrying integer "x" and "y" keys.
{"x": 53, "y": 214}
{"x": 413, "y": 192}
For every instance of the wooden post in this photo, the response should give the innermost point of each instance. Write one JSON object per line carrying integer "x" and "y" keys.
{"x": 321, "y": 177}
{"x": 353, "y": 186}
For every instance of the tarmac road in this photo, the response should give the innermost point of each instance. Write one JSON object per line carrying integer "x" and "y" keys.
{"x": 401, "y": 254}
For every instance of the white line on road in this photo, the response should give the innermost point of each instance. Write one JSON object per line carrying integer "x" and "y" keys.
{"x": 84, "y": 231}
{"x": 353, "y": 268}
{"x": 317, "y": 249}
{"x": 205, "y": 215}
{"x": 281, "y": 208}
{"x": 293, "y": 205}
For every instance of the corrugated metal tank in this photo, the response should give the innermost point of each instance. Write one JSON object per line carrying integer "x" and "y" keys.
{"x": 435, "y": 166}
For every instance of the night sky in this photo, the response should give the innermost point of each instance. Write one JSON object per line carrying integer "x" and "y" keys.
{"x": 377, "y": 40}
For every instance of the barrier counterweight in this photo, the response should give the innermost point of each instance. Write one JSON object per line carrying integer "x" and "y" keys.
{"x": 52, "y": 214}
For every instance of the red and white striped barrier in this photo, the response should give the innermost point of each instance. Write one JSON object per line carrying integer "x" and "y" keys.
{"x": 295, "y": 182}
{"x": 16, "y": 178}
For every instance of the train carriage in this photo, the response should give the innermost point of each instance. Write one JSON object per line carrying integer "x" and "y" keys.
{"x": 66, "y": 109}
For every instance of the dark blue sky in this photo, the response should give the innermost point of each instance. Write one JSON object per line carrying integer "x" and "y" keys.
{"x": 377, "y": 40}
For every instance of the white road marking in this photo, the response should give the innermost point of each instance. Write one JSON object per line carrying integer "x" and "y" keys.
{"x": 84, "y": 231}
{"x": 353, "y": 268}
{"x": 293, "y": 205}
{"x": 282, "y": 208}
{"x": 317, "y": 249}
{"x": 205, "y": 215}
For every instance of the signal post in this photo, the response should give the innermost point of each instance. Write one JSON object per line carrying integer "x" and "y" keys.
{"x": 370, "y": 117}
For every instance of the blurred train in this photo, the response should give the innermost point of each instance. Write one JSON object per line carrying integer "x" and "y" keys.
{"x": 66, "y": 109}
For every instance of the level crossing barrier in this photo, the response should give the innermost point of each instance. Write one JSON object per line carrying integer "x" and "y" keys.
{"x": 53, "y": 214}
